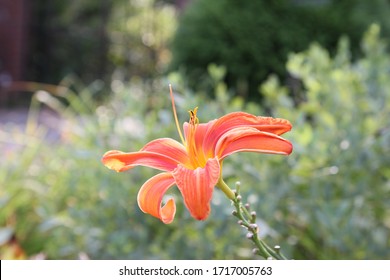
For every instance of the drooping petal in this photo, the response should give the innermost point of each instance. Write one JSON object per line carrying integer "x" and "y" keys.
{"x": 197, "y": 186}
{"x": 168, "y": 147}
{"x": 248, "y": 139}
{"x": 151, "y": 194}
{"x": 242, "y": 119}
{"x": 120, "y": 161}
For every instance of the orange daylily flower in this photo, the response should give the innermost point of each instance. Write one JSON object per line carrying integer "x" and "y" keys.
{"x": 194, "y": 165}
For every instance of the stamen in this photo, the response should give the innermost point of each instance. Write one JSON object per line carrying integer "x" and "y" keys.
{"x": 175, "y": 115}
{"x": 193, "y": 118}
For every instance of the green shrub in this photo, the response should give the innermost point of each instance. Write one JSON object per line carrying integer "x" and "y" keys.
{"x": 334, "y": 202}
{"x": 253, "y": 38}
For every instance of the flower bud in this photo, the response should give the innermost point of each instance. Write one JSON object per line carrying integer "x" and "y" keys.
{"x": 249, "y": 235}
{"x": 253, "y": 227}
{"x": 253, "y": 216}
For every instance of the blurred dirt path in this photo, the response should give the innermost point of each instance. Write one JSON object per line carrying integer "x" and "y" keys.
{"x": 15, "y": 121}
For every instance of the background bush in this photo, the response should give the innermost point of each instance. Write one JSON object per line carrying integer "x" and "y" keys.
{"x": 336, "y": 199}
{"x": 328, "y": 200}
{"x": 253, "y": 39}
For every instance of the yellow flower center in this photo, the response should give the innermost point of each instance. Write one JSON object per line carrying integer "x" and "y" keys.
{"x": 195, "y": 153}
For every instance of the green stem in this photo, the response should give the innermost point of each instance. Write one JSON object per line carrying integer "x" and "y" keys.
{"x": 225, "y": 188}
{"x": 247, "y": 219}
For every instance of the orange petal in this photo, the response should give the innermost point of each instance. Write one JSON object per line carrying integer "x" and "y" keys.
{"x": 242, "y": 119}
{"x": 272, "y": 125}
{"x": 248, "y": 139}
{"x": 199, "y": 138}
{"x": 197, "y": 186}
{"x": 201, "y": 130}
{"x": 168, "y": 147}
{"x": 151, "y": 194}
{"x": 120, "y": 161}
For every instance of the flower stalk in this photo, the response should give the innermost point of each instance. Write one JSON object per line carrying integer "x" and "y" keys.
{"x": 225, "y": 188}
{"x": 247, "y": 219}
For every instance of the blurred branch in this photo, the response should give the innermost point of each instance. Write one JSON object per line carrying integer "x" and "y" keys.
{"x": 26, "y": 86}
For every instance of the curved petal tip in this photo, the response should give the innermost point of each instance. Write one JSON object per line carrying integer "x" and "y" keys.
{"x": 151, "y": 194}
{"x": 111, "y": 162}
{"x": 168, "y": 211}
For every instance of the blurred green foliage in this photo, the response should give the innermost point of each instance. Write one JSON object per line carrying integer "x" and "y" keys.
{"x": 253, "y": 38}
{"x": 139, "y": 33}
{"x": 335, "y": 201}
{"x": 330, "y": 199}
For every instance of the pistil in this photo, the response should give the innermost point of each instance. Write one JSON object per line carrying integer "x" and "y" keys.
{"x": 175, "y": 115}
